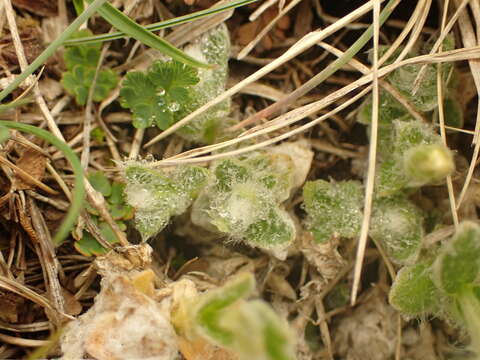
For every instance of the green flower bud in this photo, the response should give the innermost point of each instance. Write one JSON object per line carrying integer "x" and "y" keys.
{"x": 428, "y": 164}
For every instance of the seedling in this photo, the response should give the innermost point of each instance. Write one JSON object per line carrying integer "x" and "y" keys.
{"x": 226, "y": 318}
{"x": 120, "y": 211}
{"x": 448, "y": 288}
{"x": 81, "y": 62}
{"x": 243, "y": 200}
{"x": 170, "y": 90}
{"x": 158, "y": 195}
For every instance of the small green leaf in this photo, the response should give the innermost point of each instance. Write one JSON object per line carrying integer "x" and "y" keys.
{"x": 457, "y": 266}
{"x": 333, "y": 208}
{"x": 100, "y": 183}
{"x": 118, "y": 211}
{"x": 276, "y": 229}
{"x": 157, "y": 195}
{"x": 81, "y": 62}
{"x": 259, "y": 333}
{"x": 172, "y": 74}
{"x": 116, "y": 195}
{"x": 88, "y": 246}
{"x": 98, "y": 135}
{"x": 108, "y": 233}
{"x": 413, "y": 292}
{"x": 397, "y": 225}
{"x": 209, "y": 310}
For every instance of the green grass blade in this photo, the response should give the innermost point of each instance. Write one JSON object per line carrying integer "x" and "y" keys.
{"x": 79, "y": 6}
{"x": 163, "y": 24}
{"x": 42, "y": 58}
{"x": 78, "y": 193}
{"x": 15, "y": 103}
{"x": 123, "y": 23}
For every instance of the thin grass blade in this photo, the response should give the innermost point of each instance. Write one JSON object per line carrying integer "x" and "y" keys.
{"x": 123, "y": 23}
{"x": 163, "y": 24}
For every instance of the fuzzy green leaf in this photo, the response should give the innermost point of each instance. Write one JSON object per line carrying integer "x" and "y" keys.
{"x": 457, "y": 266}
{"x": 397, "y": 225}
{"x": 333, "y": 208}
{"x": 413, "y": 292}
{"x": 213, "y": 304}
{"x": 259, "y": 333}
{"x": 157, "y": 195}
{"x": 243, "y": 200}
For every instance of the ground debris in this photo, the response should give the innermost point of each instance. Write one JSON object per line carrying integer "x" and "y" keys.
{"x": 125, "y": 322}
{"x": 368, "y": 332}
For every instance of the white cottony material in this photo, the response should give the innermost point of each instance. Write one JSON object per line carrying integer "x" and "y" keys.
{"x": 123, "y": 324}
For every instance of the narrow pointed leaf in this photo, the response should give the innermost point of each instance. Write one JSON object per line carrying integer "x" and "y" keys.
{"x": 123, "y": 23}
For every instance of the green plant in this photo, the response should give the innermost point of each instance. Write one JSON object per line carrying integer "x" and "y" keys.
{"x": 158, "y": 195}
{"x": 334, "y": 209}
{"x": 169, "y": 90}
{"x": 120, "y": 211}
{"x": 161, "y": 95}
{"x": 226, "y": 318}
{"x": 243, "y": 200}
{"x": 449, "y": 287}
{"x": 121, "y": 22}
{"x": 415, "y": 157}
{"x": 81, "y": 62}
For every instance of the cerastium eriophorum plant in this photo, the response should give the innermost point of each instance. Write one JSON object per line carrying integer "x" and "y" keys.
{"x": 446, "y": 283}
{"x": 158, "y": 195}
{"x": 238, "y": 198}
{"x": 224, "y": 317}
{"x": 412, "y": 155}
{"x": 334, "y": 209}
{"x": 170, "y": 90}
{"x": 244, "y": 197}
